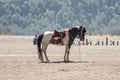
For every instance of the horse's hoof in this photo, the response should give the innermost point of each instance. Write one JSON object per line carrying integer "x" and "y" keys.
{"x": 65, "y": 61}
{"x": 68, "y": 61}
{"x": 48, "y": 61}
{"x": 41, "y": 61}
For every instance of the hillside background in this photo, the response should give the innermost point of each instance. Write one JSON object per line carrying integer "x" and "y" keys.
{"x": 29, "y": 17}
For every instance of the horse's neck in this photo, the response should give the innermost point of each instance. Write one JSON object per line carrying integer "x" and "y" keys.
{"x": 72, "y": 33}
{"x": 71, "y": 37}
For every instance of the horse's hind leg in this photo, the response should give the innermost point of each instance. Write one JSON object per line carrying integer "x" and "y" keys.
{"x": 44, "y": 50}
{"x": 40, "y": 57}
{"x": 46, "y": 56}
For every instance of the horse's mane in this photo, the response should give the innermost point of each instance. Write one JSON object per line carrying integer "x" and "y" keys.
{"x": 75, "y": 27}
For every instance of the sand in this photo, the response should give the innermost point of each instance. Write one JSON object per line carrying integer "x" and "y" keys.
{"x": 19, "y": 60}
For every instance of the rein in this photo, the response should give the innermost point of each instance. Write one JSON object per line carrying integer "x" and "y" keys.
{"x": 79, "y": 52}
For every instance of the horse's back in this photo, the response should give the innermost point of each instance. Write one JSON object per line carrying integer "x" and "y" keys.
{"x": 49, "y": 37}
{"x": 48, "y": 32}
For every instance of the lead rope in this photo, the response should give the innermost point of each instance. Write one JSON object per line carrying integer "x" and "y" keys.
{"x": 79, "y": 51}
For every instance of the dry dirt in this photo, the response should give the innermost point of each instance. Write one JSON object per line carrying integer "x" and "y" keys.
{"x": 19, "y": 60}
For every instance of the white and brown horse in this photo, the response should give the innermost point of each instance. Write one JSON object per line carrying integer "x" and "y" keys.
{"x": 65, "y": 38}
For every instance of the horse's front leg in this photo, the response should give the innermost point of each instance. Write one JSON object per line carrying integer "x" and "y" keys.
{"x": 68, "y": 52}
{"x": 65, "y": 54}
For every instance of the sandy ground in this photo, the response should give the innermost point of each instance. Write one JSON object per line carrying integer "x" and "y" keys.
{"x": 19, "y": 60}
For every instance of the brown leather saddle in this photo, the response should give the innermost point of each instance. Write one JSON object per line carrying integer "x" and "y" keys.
{"x": 58, "y": 36}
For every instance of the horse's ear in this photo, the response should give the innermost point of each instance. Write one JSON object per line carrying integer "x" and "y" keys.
{"x": 84, "y": 29}
{"x": 80, "y": 28}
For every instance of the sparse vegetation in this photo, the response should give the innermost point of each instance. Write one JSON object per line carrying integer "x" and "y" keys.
{"x": 35, "y": 16}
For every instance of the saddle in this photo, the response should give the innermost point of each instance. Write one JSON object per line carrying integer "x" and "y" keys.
{"x": 58, "y": 37}
{"x": 59, "y": 34}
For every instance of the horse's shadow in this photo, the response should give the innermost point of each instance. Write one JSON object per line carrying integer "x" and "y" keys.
{"x": 66, "y": 62}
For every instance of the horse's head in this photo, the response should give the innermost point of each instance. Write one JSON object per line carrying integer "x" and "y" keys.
{"x": 78, "y": 30}
{"x": 82, "y": 32}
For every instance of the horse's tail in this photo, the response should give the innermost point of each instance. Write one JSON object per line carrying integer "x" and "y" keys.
{"x": 39, "y": 40}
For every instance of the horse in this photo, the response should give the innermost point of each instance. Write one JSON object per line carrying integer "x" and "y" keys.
{"x": 53, "y": 37}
